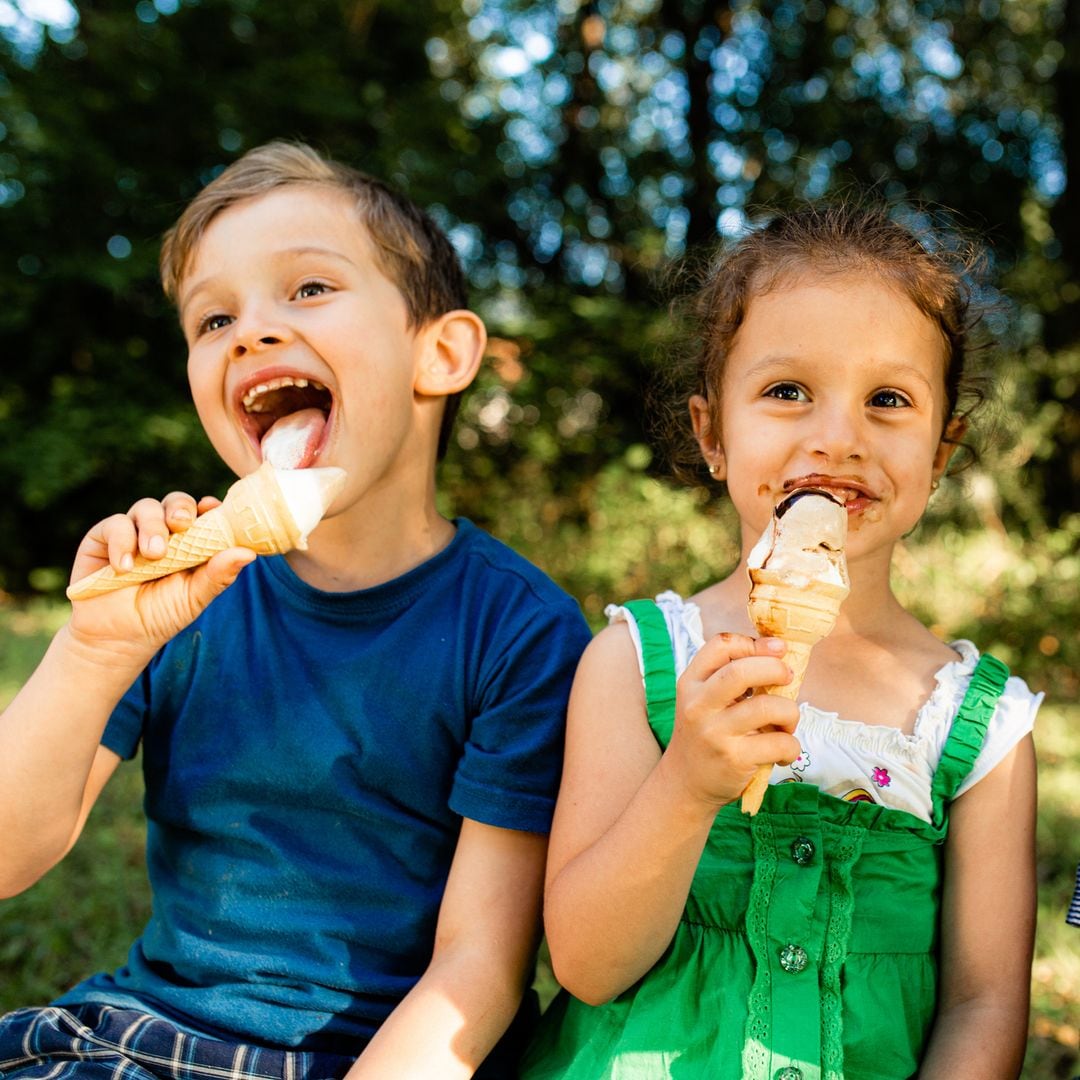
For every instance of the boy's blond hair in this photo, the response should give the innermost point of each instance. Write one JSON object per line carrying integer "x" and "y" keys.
{"x": 411, "y": 250}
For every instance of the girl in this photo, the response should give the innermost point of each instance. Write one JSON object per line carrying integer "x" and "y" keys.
{"x": 875, "y": 919}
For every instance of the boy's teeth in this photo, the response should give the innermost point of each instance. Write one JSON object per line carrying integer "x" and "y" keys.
{"x": 255, "y": 392}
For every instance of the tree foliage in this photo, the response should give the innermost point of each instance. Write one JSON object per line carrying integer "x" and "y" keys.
{"x": 572, "y": 149}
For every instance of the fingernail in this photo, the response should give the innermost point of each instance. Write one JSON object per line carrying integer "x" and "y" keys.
{"x": 126, "y": 562}
{"x": 155, "y": 546}
{"x": 181, "y": 515}
{"x": 773, "y": 644}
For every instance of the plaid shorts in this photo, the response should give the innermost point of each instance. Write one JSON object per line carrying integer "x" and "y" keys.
{"x": 98, "y": 1042}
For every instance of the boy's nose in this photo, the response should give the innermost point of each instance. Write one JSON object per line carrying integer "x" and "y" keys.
{"x": 242, "y": 345}
{"x": 256, "y": 330}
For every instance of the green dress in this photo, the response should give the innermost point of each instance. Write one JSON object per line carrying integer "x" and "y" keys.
{"x": 808, "y": 946}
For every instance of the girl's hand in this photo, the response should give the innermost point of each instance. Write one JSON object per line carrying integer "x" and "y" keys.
{"x": 724, "y": 726}
{"x": 137, "y": 620}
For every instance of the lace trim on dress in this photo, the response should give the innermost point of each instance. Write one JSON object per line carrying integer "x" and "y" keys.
{"x": 845, "y": 846}
{"x": 759, "y": 1021}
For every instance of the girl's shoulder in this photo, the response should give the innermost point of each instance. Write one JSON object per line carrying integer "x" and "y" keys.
{"x": 683, "y": 620}
{"x": 1013, "y": 715}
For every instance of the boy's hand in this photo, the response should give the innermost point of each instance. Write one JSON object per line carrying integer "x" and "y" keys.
{"x": 724, "y": 729}
{"x": 139, "y": 619}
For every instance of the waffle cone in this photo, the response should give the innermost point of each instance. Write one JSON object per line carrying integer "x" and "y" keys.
{"x": 802, "y": 616}
{"x": 253, "y": 515}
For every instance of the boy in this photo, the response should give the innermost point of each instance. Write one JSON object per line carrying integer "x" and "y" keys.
{"x": 351, "y": 756}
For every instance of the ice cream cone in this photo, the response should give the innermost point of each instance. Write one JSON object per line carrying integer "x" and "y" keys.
{"x": 802, "y": 616}
{"x": 798, "y": 579}
{"x": 256, "y": 513}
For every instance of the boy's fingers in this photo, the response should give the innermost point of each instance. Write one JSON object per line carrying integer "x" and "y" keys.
{"x": 109, "y": 541}
{"x": 148, "y": 516}
{"x": 218, "y": 574}
{"x": 208, "y": 502}
{"x": 119, "y": 537}
{"x": 179, "y": 509}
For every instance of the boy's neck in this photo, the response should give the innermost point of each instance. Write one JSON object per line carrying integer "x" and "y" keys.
{"x": 359, "y": 551}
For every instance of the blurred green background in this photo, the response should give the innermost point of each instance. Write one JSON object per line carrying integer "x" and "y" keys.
{"x": 572, "y": 150}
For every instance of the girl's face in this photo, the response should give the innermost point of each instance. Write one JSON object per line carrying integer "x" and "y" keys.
{"x": 837, "y": 382}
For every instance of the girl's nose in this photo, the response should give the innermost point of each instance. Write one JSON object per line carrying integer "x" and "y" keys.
{"x": 838, "y": 435}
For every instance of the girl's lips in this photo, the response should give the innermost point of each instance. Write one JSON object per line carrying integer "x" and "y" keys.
{"x": 852, "y": 492}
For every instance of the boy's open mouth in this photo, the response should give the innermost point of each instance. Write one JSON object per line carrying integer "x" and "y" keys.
{"x": 287, "y": 417}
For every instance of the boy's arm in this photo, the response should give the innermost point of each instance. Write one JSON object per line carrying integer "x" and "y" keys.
{"x": 485, "y": 944}
{"x": 988, "y": 926}
{"x": 52, "y": 766}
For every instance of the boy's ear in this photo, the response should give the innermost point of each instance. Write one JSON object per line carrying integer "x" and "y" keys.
{"x": 708, "y": 438}
{"x": 453, "y": 346}
{"x": 955, "y": 430}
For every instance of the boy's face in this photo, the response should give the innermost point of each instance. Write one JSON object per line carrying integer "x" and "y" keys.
{"x": 286, "y": 313}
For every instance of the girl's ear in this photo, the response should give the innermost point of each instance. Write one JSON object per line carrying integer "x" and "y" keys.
{"x": 452, "y": 348}
{"x": 708, "y": 438}
{"x": 955, "y": 430}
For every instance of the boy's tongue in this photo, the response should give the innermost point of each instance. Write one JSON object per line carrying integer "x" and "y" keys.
{"x": 291, "y": 442}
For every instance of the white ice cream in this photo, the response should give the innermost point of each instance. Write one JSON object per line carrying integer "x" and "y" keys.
{"x": 308, "y": 494}
{"x": 804, "y": 540}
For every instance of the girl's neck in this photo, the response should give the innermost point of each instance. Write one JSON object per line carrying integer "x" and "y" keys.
{"x": 879, "y": 663}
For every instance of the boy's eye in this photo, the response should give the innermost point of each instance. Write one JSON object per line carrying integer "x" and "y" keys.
{"x": 213, "y": 322}
{"x": 311, "y": 288}
{"x": 889, "y": 399}
{"x": 787, "y": 392}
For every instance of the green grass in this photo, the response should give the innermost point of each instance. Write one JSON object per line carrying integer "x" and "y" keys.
{"x": 83, "y": 915}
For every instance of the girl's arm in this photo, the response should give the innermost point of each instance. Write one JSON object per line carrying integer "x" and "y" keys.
{"x": 988, "y": 927}
{"x": 630, "y": 823}
{"x": 485, "y": 948}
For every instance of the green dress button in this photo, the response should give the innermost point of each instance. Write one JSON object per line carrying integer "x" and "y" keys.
{"x": 793, "y": 959}
{"x": 802, "y": 850}
{"x": 790, "y": 1073}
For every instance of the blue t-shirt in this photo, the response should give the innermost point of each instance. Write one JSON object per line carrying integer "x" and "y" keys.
{"x": 308, "y": 759}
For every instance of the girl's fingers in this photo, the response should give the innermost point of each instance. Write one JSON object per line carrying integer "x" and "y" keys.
{"x": 720, "y": 650}
{"x": 761, "y": 712}
{"x": 771, "y": 748}
{"x": 741, "y": 678}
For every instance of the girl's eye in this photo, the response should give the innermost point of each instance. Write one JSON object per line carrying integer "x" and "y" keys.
{"x": 787, "y": 392}
{"x": 311, "y": 288}
{"x": 889, "y": 399}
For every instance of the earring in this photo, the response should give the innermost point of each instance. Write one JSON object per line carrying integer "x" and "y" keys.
{"x": 713, "y": 470}
{"x": 935, "y": 483}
